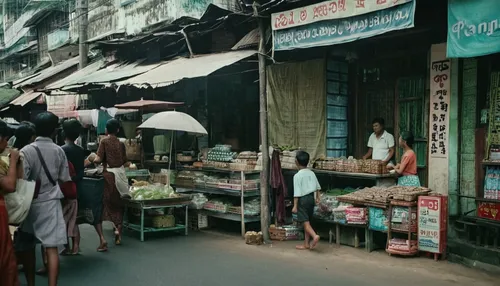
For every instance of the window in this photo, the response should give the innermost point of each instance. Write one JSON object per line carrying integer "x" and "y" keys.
{"x": 336, "y": 108}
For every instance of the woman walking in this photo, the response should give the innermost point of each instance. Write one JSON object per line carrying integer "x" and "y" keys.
{"x": 111, "y": 154}
{"x": 8, "y": 177}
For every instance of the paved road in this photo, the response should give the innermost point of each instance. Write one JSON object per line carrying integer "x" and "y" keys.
{"x": 217, "y": 260}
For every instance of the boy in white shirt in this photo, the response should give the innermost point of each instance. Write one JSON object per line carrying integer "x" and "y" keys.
{"x": 305, "y": 184}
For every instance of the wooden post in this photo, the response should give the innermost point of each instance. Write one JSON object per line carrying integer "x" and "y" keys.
{"x": 264, "y": 175}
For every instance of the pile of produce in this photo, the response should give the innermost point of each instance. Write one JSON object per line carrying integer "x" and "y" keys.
{"x": 221, "y": 153}
{"x": 142, "y": 190}
{"x": 382, "y": 196}
{"x": 328, "y": 203}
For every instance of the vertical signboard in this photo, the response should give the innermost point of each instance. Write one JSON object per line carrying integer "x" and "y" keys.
{"x": 439, "y": 121}
{"x": 432, "y": 213}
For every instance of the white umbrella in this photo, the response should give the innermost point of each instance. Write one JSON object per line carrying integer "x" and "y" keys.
{"x": 174, "y": 121}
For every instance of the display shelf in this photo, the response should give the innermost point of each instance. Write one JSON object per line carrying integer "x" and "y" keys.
{"x": 381, "y": 180}
{"x": 216, "y": 191}
{"x": 230, "y": 216}
{"x": 391, "y": 230}
{"x": 490, "y": 163}
{"x": 216, "y": 170}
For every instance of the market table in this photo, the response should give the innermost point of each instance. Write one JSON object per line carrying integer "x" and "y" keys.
{"x": 380, "y": 180}
{"x": 180, "y": 202}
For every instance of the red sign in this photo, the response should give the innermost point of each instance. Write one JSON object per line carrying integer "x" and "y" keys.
{"x": 489, "y": 210}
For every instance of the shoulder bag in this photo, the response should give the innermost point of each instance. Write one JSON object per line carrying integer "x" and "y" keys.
{"x": 68, "y": 190}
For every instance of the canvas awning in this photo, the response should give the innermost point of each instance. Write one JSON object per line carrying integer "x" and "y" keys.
{"x": 181, "y": 68}
{"x": 95, "y": 74}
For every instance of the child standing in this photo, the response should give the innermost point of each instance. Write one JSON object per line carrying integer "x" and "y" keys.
{"x": 305, "y": 184}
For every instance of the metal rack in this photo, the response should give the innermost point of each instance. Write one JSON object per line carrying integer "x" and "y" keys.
{"x": 242, "y": 193}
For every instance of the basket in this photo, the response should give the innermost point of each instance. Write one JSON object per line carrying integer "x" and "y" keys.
{"x": 163, "y": 221}
{"x": 184, "y": 183}
{"x": 282, "y": 234}
{"x": 183, "y": 158}
{"x": 254, "y": 238}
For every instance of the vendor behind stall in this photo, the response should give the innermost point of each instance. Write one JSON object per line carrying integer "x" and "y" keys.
{"x": 380, "y": 143}
{"x": 407, "y": 169}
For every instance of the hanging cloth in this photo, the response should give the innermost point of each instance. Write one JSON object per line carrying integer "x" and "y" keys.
{"x": 102, "y": 120}
{"x": 279, "y": 186}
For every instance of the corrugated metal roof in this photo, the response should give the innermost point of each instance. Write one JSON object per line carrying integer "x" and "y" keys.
{"x": 181, "y": 68}
{"x": 26, "y": 98}
{"x": 249, "y": 40}
{"x": 51, "y": 71}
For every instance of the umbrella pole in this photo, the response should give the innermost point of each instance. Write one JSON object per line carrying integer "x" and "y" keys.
{"x": 170, "y": 155}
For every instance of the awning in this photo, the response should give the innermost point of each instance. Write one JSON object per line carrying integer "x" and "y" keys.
{"x": 75, "y": 77}
{"x": 26, "y": 98}
{"x": 94, "y": 74}
{"x": 7, "y": 95}
{"x": 64, "y": 106}
{"x": 181, "y": 68}
{"x": 50, "y": 72}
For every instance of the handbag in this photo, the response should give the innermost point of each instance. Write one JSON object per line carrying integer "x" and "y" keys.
{"x": 69, "y": 188}
{"x": 18, "y": 203}
{"x": 70, "y": 192}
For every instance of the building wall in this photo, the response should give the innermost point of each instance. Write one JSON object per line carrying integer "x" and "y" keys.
{"x": 131, "y": 16}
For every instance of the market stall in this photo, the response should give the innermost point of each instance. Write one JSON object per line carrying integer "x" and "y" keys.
{"x": 226, "y": 183}
{"x": 389, "y": 210}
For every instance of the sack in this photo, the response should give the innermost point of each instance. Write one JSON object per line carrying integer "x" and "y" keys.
{"x": 69, "y": 188}
{"x": 18, "y": 203}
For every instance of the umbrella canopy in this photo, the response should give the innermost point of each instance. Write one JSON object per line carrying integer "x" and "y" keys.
{"x": 149, "y": 105}
{"x": 175, "y": 121}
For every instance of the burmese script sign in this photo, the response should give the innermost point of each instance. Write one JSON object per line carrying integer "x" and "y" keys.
{"x": 473, "y": 28}
{"x": 337, "y": 31}
{"x": 329, "y": 10}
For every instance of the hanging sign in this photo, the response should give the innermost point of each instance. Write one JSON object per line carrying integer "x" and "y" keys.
{"x": 329, "y": 10}
{"x": 345, "y": 30}
{"x": 440, "y": 101}
{"x": 473, "y": 28}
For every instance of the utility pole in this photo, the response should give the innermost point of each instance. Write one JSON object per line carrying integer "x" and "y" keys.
{"x": 264, "y": 175}
{"x": 82, "y": 9}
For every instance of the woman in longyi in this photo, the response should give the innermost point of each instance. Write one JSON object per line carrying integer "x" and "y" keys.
{"x": 8, "y": 177}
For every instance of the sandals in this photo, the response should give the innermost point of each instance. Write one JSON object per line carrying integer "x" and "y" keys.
{"x": 42, "y": 271}
{"x": 103, "y": 247}
{"x": 118, "y": 239}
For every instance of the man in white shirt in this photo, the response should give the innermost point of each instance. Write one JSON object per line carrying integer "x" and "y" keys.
{"x": 381, "y": 143}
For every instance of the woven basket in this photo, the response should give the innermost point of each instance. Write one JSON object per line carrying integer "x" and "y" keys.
{"x": 163, "y": 221}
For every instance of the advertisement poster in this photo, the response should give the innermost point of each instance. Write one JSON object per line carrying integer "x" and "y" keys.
{"x": 429, "y": 224}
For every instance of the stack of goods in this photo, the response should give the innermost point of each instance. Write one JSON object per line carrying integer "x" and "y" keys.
{"x": 374, "y": 167}
{"x": 328, "y": 202}
{"x": 286, "y": 232}
{"x": 329, "y": 164}
{"x": 187, "y": 179}
{"x": 166, "y": 177}
{"x": 339, "y": 213}
{"x": 402, "y": 220}
{"x": 492, "y": 183}
{"x": 252, "y": 208}
{"x": 184, "y": 158}
{"x": 198, "y": 201}
{"x": 288, "y": 160}
{"x": 356, "y": 215}
{"x": 220, "y": 156}
{"x": 246, "y": 161}
{"x": 142, "y": 190}
{"x": 377, "y": 219}
{"x": 254, "y": 238}
{"x": 380, "y": 196}
{"x": 197, "y": 221}
{"x": 402, "y": 246}
{"x": 217, "y": 205}
{"x": 354, "y": 166}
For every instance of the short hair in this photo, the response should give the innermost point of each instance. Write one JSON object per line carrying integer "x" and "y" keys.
{"x": 46, "y": 124}
{"x": 72, "y": 129}
{"x": 5, "y": 131}
{"x": 379, "y": 120}
{"x": 407, "y": 136}
{"x": 24, "y": 133}
{"x": 112, "y": 126}
{"x": 302, "y": 158}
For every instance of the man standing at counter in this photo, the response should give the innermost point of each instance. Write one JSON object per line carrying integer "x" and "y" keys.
{"x": 381, "y": 142}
